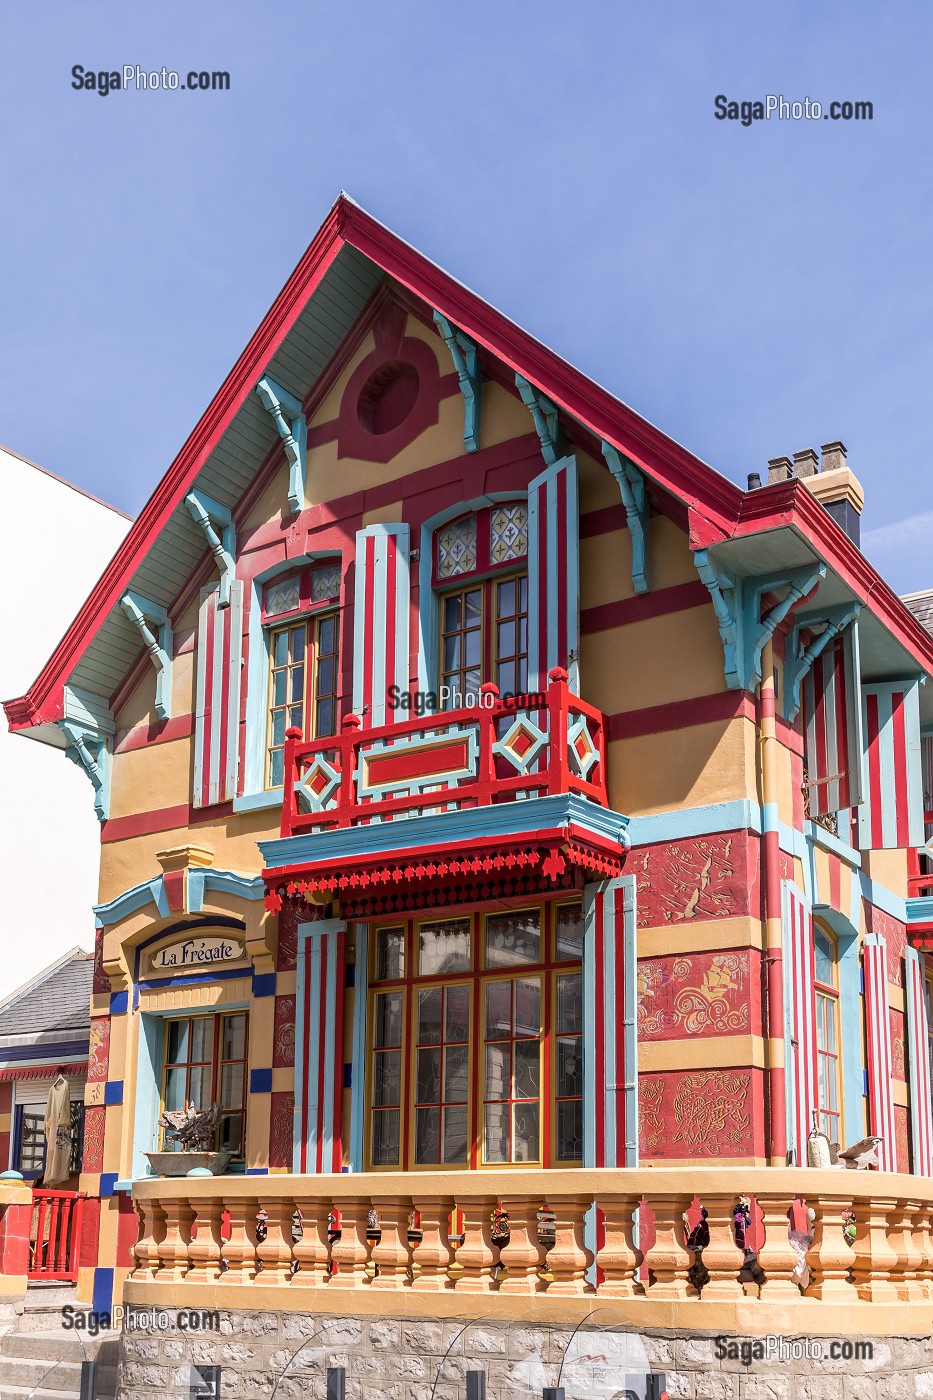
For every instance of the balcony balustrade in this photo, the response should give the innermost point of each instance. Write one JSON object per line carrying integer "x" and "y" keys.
{"x": 499, "y": 750}
{"x": 575, "y": 1243}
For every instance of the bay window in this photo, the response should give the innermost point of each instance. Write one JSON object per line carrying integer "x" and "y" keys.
{"x": 476, "y": 1035}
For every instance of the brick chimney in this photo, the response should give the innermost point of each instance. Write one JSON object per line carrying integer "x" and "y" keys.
{"x": 780, "y": 469}
{"x": 837, "y": 488}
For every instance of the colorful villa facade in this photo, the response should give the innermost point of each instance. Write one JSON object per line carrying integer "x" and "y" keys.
{"x": 498, "y": 808}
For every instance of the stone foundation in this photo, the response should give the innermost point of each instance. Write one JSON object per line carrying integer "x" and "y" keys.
{"x": 286, "y": 1356}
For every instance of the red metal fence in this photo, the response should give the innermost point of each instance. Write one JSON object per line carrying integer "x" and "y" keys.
{"x": 55, "y": 1237}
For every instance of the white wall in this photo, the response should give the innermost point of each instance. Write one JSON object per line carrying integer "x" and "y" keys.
{"x": 54, "y": 544}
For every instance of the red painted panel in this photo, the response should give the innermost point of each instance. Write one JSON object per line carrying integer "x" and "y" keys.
{"x": 410, "y": 765}
{"x": 283, "y": 1034}
{"x": 895, "y": 939}
{"x": 90, "y": 1234}
{"x": 127, "y": 1231}
{"x": 702, "y": 994}
{"x": 99, "y": 1052}
{"x": 280, "y": 1130}
{"x": 701, "y": 877}
{"x": 701, "y": 1114}
{"x": 94, "y": 1120}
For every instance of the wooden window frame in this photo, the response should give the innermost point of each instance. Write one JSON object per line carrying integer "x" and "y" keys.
{"x": 477, "y": 976}
{"x": 489, "y": 658}
{"x": 829, "y": 992}
{"x": 215, "y": 1062}
{"x": 312, "y": 622}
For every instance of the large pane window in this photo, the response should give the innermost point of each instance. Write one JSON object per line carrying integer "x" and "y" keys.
{"x": 205, "y": 1063}
{"x": 303, "y": 627}
{"x": 827, "y": 1034}
{"x": 477, "y": 1040}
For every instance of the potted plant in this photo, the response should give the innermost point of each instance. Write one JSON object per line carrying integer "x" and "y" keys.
{"x": 195, "y": 1131}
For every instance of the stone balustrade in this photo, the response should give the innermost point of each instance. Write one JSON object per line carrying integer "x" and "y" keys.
{"x": 578, "y": 1242}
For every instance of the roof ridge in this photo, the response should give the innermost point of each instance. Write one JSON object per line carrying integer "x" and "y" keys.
{"x": 43, "y": 976}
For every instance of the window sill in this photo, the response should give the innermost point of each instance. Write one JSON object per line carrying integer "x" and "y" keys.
{"x": 259, "y": 801}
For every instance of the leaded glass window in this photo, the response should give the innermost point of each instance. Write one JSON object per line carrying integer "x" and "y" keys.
{"x": 456, "y": 547}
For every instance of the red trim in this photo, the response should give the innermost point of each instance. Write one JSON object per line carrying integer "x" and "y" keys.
{"x": 643, "y": 606}
{"x": 162, "y": 732}
{"x": 874, "y": 769}
{"x": 163, "y": 819}
{"x": 901, "y": 794}
{"x": 304, "y": 1049}
{"x": 679, "y": 714}
{"x": 599, "y": 978}
{"x": 718, "y": 509}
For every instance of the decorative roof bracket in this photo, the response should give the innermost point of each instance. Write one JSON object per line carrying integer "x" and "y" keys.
{"x": 726, "y": 595}
{"x": 799, "y": 663}
{"x": 759, "y": 630}
{"x": 289, "y": 419}
{"x": 158, "y": 642}
{"x": 213, "y": 517}
{"x": 87, "y": 726}
{"x": 635, "y": 499}
{"x": 464, "y": 354}
{"x": 545, "y": 418}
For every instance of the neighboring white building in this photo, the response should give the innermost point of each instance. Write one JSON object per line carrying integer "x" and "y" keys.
{"x": 55, "y": 540}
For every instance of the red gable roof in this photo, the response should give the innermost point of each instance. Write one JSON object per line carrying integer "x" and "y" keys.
{"x": 717, "y": 508}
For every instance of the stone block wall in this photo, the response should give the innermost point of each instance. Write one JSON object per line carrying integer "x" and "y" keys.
{"x": 285, "y": 1356}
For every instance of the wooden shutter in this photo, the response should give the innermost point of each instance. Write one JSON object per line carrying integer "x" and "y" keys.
{"x": 610, "y": 1063}
{"x": 891, "y": 814}
{"x": 878, "y": 1050}
{"x": 918, "y": 1059}
{"x": 553, "y": 574}
{"x": 321, "y": 987}
{"x": 380, "y": 622}
{"x": 217, "y": 701}
{"x": 799, "y": 1019}
{"x": 832, "y": 727}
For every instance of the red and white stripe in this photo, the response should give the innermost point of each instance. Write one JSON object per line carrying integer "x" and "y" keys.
{"x": 610, "y": 1055}
{"x": 319, "y": 1049}
{"x": 830, "y": 716}
{"x": 800, "y": 1013}
{"x": 382, "y": 604}
{"x": 878, "y": 1050}
{"x": 217, "y": 699}
{"x": 918, "y": 1058}
{"x": 553, "y": 574}
{"x": 891, "y": 815}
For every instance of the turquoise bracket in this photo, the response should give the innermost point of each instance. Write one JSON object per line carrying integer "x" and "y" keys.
{"x": 464, "y": 354}
{"x": 631, "y": 484}
{"x": 759, "y": 630}
{"x": 292, "y": 426}
{"x": 800, "y": 661}
{"x": 88, "y": 749}
{"x": 545, "y": 418}
{"x": 156, "y": 631}
{"x": 725, "y": 594}
{"x": 219, "y": 530}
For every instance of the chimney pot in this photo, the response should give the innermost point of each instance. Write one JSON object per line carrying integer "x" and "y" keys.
{"x": 834, "y": 456}
{"x": 754, "y": 481}
{"x": 779, "y": 469}
{"x": 806, "y": 463}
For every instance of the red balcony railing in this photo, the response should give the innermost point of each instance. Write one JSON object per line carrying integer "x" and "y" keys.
{"x": 497, "y": 751}
{"x": 55, "y": 1237}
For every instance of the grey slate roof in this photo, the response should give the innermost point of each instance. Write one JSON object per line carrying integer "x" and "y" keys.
{"x": 58, "y": 1000}
{"x": 921, "y": 605}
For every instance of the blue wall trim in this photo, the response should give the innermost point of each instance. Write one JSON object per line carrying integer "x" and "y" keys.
{"x": 260, "y": 1081}
{"x": 41, "y": 1054}
{"x": 222, "y": 882}
{"x": 118, "y": 1003}
{"x": 108, "y": 1182}
{"x": 263, "y": 984}
{"x": 113, "y": 1091}
{"x": 102, "y": 1297}
{"x": 445, "y": 828}
{"x": 149, "y": 892}
{"x": 257, "y": 1171}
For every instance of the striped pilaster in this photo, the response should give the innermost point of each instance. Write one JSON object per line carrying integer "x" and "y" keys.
{"x": 321, "y": 983}
{"x": 381, "y": 621}
{"x": 799, "y": 1019}
{"x": 554, "y": 574}
{"x": 878, "y": 1050}
{"x": 217, "y": 702}
{"x": 610, "y": 1065}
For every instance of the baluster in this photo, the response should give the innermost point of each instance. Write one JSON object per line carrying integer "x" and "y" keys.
{"x": 905, "y": 1272}
{"x": 151, "y": 1234}
{"x": 351, "y": 1252}
{"x": 722, "y": 1257}
{"x": 524, "y": 1254}
{"x": 924, "y": 1239}
{"x": 875, "y": 1259}
{"x": 568, "y": 1258}
{"x": 435, "y": 1254}
{"x": 173, "y": 1249}
{"x": 206, "y": 1248}
{"x": 275, "y": 1250}
{"x": 240, "y": 1249}
{"x": 830, "y": 1257}
{"x": 477, "y": 1255}
{"x": 777, "y": 1256}
{"x": 668, "y": 1260}
{"x": 312, "y": 1250}
{"x": 392, "y": 1255}
{"x": 619, "y": 1259}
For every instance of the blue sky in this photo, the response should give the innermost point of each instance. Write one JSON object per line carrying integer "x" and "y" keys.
{"x": 753, "y": 291}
